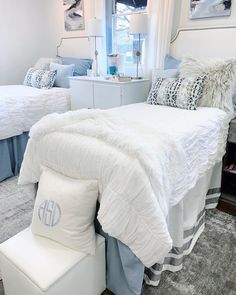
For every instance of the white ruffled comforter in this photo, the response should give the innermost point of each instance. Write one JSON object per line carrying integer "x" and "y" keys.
{"x": 146, "y": 158}
{"x": 22, "y": 106}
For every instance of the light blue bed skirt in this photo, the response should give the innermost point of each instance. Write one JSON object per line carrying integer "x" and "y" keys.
{"x": 124, "y": 271}
{"x": 11, "y": 155}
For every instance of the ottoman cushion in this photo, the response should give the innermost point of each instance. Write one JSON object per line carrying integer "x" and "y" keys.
{"x": 43, "y": 261}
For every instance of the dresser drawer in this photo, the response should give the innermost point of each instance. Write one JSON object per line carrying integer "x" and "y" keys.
{"x": 81, "y": 95}
{"x": 98, "y": 92}
{"x": 106, "y": 96}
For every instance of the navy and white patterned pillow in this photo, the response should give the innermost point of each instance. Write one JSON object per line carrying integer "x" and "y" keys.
{"x": 180, "y": 93}
{"x": 40, "y": 78}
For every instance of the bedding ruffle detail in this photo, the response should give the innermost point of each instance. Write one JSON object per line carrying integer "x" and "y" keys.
{"x": 22, "y": 106}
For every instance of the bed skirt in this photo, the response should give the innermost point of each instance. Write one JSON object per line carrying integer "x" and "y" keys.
{"x": 186, "y": 221}
{"x": 11, "y": 155}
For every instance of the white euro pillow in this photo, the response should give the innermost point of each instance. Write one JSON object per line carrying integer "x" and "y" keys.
{"x": 64, "y": 210}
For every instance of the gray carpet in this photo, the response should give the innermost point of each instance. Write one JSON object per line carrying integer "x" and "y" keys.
{"x": 209, "y": 270}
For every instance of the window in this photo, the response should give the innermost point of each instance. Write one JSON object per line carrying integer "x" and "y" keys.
{"x": 121, "y": 41}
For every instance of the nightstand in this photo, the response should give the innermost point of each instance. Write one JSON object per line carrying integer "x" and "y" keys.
{"x": 228, "y": 186}
{"x": 97, "y": 92}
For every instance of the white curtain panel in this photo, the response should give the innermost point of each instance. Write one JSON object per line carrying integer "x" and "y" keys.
{"x": 160, "y": 19}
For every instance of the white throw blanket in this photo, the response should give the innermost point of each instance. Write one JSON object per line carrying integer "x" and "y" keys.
{"x": 146, "y": 159}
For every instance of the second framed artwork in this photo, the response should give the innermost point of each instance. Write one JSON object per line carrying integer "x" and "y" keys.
{"x": 209, "y": 8}
{"x": 74, "y": 15}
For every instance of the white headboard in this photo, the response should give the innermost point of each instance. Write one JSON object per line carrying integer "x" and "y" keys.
{"x": 205, "y": 42}
{"x": 74, "y": 47}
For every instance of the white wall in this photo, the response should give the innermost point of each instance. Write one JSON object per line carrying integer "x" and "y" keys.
{"x": 23, "y": 37}
{"x": 56, "y": 15}
{"x": 30, "y": 29}
{"x": 181, "y": 19}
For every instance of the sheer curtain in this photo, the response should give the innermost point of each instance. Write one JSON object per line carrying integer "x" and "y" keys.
{"x": 160, "y": 18}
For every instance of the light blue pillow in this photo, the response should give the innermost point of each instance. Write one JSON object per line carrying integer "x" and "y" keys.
{"x": 63, "y": 74}
{"x": 81, "y": 65}
{"x": 171, "y": 62}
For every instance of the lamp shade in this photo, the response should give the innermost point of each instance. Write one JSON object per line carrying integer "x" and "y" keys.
{"x": 138, "y": 24}
{"x": 95, "y": 27}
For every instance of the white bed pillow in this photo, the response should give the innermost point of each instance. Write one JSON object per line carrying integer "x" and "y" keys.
{"x": 218, "y": 91}
{"x": 64, "y": 210}
{"x": 43, "y": 63}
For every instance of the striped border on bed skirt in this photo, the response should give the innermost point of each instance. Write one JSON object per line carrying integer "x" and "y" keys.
{"x": 212, "y": 198}
{"x": 174, "y": 259}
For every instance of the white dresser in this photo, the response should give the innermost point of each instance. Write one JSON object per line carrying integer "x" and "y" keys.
{"x": 97, "y": 92}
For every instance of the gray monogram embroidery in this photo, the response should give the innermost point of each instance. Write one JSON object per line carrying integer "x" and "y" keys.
{"x": 49, "y": 213}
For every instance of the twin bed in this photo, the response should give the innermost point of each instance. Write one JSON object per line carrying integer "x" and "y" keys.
{"x": 152, "y": 205}
{"x": 22, "y": 106}
{"x": 158, "y": 168}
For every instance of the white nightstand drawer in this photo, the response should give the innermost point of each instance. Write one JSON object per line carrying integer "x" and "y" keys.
{"x": 81, "y": 94}
{"x": 98, "y": 92}
{"x": 106, "y": 96}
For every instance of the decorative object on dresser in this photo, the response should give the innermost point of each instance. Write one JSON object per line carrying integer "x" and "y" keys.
{"x": 228, "y": 196}
{"x": 95, "y": 30}
{"x": 138, "y": 26}
{"x": 97, "y": 92}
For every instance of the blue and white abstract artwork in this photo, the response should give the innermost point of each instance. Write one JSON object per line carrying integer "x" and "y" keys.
{"x": 209, "y": 8}
{"x": 74, "y": 15}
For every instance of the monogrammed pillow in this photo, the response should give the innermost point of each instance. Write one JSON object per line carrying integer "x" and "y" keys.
{"x": 179, "y": 93}
{"x": 64, "y": 210}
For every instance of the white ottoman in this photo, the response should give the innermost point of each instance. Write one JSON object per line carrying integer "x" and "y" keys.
{"x": 33, "y": 265}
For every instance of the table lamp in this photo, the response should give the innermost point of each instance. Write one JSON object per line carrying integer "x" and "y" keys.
{"x": 95, "y": 30}
{"x": 138, "y": 26}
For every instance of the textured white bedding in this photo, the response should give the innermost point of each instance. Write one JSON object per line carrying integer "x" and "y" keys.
{"x": 146, "y": 158}
{"x": 22, "y": 106}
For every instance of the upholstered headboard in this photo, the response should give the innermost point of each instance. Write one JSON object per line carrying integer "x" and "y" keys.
{"x": 217, "y": 41}
{"x": 78, "y": 47}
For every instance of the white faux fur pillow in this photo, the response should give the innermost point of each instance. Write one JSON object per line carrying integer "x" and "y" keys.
{"x": 218, "y": 91}
{"x": 43, "y": 63}
{"x": 64, "y": 210}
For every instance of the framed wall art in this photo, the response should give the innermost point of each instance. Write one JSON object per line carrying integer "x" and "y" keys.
{"x": 209, "y": 8}
{"x": 74, "y": 15}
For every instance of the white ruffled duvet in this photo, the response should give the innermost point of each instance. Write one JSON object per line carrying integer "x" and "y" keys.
{"x": 146, "y": 158}
{"x": 22, "y": 106}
